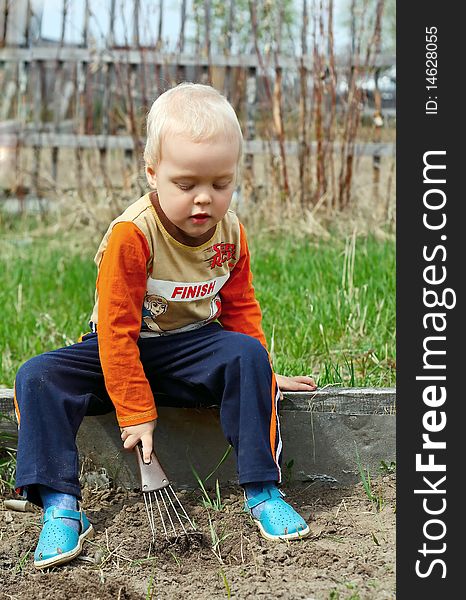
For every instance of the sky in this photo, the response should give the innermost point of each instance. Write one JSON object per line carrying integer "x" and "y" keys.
{"x": 52, "y": 20}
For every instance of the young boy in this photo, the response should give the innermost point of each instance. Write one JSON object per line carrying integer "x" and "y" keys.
{"x": 174, "y": 312}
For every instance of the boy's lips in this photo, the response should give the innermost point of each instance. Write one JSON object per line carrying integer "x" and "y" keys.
{"x": 200, "y": 218}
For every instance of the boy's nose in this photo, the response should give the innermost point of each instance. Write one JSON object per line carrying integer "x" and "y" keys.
{"x": 202, "y": 198}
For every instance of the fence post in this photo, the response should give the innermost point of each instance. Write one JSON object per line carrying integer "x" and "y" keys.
{"x": 378, "y": 124}
{"x": 58, "y": 95}
{"x": 180, "y": 72}
{"x": 111, "y": 24}
{"x": 85, "y": 31}
{"x": 10, "y": 91}
{"x": 227, "y": 83}
{"x": 79, "y": 127}
{"x": 158, "y": 45}
{"x": 16, "y": 16}
{"x": 3, "y": 22}
{"x": 131, "y": 153}
{"x": 251, "y": 99}
{"x": 378, "y": 120}
{"x": 207, "y": 74}
{"x": 136, "y": 42}
{"x": 39, "y": 76}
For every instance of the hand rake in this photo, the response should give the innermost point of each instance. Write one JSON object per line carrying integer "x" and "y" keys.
{"x": 162, "y": 502}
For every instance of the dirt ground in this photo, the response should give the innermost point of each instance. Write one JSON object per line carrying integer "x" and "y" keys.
{"x": 350, "y": 554}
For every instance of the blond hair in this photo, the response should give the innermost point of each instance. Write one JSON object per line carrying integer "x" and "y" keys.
{"x": 198, "y": 111}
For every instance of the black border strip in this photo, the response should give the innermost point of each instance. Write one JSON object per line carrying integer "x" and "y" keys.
{"x": 438, "y": 130}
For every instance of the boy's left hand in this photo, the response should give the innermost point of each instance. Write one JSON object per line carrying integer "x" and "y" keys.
{"x": 298, "y": 383}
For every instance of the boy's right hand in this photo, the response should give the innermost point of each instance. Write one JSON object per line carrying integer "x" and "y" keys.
{"x": 132, "y": 434}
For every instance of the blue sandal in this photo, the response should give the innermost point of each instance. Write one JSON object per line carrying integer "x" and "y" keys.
{"x": 278, "y": 520}
{"x": 59, "y": 543}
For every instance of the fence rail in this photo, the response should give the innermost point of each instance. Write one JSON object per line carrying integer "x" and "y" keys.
{"x": 125, "y": 142}
{"x": 150, "y": 56}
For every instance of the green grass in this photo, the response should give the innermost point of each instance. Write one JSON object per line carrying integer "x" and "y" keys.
{"x": 46, "y": 291}
{"x": 328, "y": 307}
{"x": 214, "y": 503}
{"x": 366, "y": 481}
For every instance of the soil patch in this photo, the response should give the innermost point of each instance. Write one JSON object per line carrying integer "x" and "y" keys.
{"x": 350, "y": 554}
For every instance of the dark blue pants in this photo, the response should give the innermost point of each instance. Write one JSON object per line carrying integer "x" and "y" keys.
{"x": 208, "y": 366}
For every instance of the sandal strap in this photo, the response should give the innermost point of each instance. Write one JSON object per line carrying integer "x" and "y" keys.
{"x": 268, "y": 493}
{"x": 61, "y": 513}
{"x": 256, "y": 500}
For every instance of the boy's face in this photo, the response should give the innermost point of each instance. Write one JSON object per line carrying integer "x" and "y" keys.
{"x": 195, "y": 181}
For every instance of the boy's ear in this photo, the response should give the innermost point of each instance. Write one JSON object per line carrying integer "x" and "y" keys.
{"x": 151, "y": 177}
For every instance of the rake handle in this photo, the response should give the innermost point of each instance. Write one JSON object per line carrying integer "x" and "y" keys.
{"x": 152, "y": 475}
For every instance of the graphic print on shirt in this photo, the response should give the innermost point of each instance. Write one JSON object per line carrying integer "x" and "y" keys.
{"x": 153, "y": 307}
{"x": 222, "y": 252}
{"x": 185, "y": 291}
{"x": 162, "y": 296}
{"x": 215, "y": 308}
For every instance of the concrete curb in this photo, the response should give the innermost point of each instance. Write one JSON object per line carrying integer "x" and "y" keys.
{"x": 323, "y": 431}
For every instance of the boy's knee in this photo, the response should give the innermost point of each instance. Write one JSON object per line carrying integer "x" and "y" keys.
{"x": 31, "y": 373}
{"x": 248, "y": 347}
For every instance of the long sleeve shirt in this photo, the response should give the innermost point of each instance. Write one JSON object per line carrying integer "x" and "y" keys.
{"x": 150, "y": 284}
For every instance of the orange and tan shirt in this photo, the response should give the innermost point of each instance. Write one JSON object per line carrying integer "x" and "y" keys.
{"x": 150, "y": 284}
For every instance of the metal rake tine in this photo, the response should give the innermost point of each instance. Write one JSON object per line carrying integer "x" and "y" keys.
{"x": 150, "y": 515}
{"x": 182, "y": 508}
{"x": 168, "y": 512}
{"x": 160, "y": 513}
{"x": 174, "y": 510}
